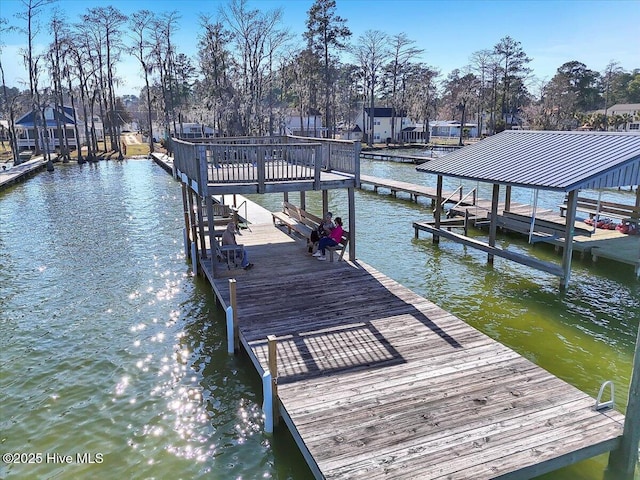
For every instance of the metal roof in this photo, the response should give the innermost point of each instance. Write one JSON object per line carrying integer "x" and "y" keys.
{"x": 546, "y": 160}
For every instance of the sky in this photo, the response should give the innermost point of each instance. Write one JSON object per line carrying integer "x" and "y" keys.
{"x": 551, "y": 32}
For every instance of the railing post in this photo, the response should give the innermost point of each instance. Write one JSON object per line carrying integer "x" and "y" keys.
{"x": 234, "y": 305}
{"x": 273, "y": 368}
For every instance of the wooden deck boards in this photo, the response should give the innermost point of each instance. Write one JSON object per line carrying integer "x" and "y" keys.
{"x": 378, "y": 382}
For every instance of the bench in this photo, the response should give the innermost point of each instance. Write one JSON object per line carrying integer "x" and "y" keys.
{"x": 629, "y": 213}
{"x": 303, "y": 223}
{"x": 296, "y": 219}
{"x": 340, "y": 247}
{"x": 522, "y": 224}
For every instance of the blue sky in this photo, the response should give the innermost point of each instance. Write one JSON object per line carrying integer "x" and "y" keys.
{"x": 551, "y": 32}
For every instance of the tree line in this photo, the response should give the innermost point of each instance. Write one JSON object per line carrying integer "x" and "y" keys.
{"x": 250, "y": 72}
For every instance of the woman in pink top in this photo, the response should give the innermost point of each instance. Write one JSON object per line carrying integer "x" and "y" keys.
{"x": 332, "y": 240}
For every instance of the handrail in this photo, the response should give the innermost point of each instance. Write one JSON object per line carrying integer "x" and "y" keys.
{"x": 451, "y": 196}
{"x": 470, "y": 192}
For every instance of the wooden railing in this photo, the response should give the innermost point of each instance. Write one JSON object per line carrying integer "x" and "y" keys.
{"x": 263, "y": 159}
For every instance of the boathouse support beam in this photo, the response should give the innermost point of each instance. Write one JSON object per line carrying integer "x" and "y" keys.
{"x": 623, "y": 460}
{"x": 493, "y": 225}
{"x": 303, "y": 200}
{"x": 572, "y": 203}
{"x": 437, "y": 212}
{"x": 507, "y": 199}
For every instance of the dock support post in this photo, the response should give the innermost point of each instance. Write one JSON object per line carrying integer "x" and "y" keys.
{"x": 572, "y": 202}
{"x": 194, "y": 257}
{"x": 231, "y": 331}
{"x": 437, "y": 212}
{"x": 466, "y": 222}
{"x": 325, "y": 202}
{"x": 234, "y": 306}
{"x": 352, "y": 224}
{"x": 303, "y": 200}
{"x": 623, "y": 461}
{"x": 267, "y": 402}
{"x": 273, "y": 368}
{"x": 493, "y": 225}
{"x": 185, "y": 209}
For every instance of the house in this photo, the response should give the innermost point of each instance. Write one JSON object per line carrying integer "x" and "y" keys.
{"x": 26, "y": 131}
{"x": 194, "y": 130}
{"x": 304, "y": 126}
{"x": 438, "y": 129}
{"x": 382, "y": 118}
{"x": 629, "y": 110}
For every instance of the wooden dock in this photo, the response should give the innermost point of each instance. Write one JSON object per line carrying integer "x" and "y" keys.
{"x": 609, "y": 244}
{"x": 377, "y": 382}
{"x": 391, "y": 157}
{"x": 394, "y": 186}
{"x": 22, "y": 171}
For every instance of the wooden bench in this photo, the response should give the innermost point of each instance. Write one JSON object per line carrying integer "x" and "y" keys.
{"x": 522, "y": 224}
{"x": 629, "y": 213}
{"x": 231, "y": 254}
{"x": 340, "y": 247}
{"x": 303, "y": 223}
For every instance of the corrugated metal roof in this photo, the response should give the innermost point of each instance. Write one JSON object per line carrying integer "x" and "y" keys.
{"x": 546, "y": 160}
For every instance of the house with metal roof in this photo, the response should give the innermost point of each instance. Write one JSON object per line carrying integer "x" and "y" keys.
{"x": 53, "y": 115}
{"x": 540, "y": 160}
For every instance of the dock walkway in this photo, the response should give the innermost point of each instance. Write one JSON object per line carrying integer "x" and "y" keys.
{"x": 20, "y": 172}
{"x": 378, "y": 382}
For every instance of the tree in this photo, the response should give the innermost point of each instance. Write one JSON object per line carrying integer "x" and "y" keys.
{"x": 513, "y": 61}
{"x": 402, "y": 53}
{"x": 326, "y": 31}
{"x": 422, "y": 93}
{"x": 140, "y": 25}
{"x": 482, "y": 63}
{"x": 108, "y": 21}
{"x": 30, "y": 16}
{"x": 370, "y": 54}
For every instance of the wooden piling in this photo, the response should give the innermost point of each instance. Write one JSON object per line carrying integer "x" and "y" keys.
{"x": 234, "y": 304}
{"x": 273, "y": 368}
{"x": 623, "y": 461}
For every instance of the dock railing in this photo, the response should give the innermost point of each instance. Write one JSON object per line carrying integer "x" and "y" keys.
{"x": 264, "y": 159}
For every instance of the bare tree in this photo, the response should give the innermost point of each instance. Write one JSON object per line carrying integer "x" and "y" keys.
{"x": 402, "y": 53}
{"x": 370, "y": 53}
{"x": 32, "y": 10}
{"x": 422, "y": 92}
{"x": 255, "y": 34}
{"x": 9, "y": 103}
{"x": 140, "y": 26}
{"x": 108, "y": 21}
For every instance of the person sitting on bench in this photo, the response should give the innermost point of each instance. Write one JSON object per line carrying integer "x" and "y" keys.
{"x": 323, "y": 230}
{"x": 332, "y": 240}
{"x": 229, "y": 238}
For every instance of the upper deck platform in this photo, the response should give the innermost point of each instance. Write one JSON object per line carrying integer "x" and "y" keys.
{"x": 267, "y": 164}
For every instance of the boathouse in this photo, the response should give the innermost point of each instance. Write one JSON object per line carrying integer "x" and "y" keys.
{"x": 372, "y": 380}
{"x": 565, "y": 162}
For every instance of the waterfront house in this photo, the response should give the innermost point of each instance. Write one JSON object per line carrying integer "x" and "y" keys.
{"x": 26, "y": 129}
{"x": 383, "y": 117}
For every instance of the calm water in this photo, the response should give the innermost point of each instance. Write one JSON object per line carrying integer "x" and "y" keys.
{"x": 109, "y": 346}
